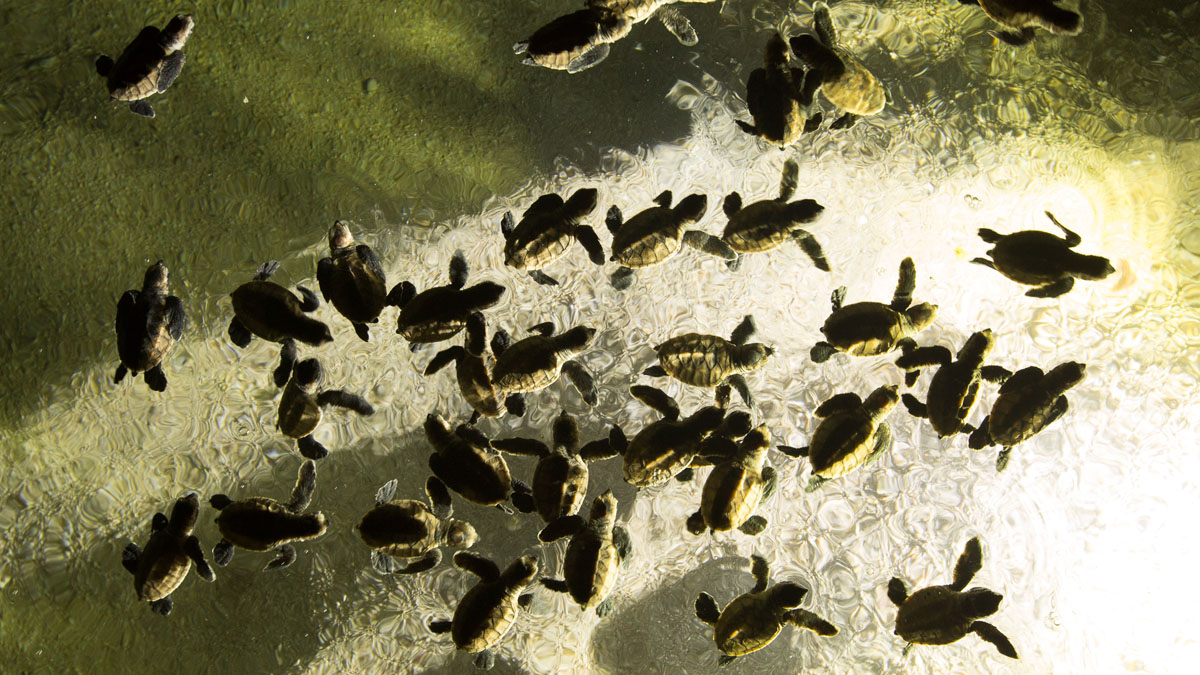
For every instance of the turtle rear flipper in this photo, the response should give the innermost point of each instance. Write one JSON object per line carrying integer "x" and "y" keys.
{"x": 162, "y": 606}
{"x": 515, "y": 404}
{"x": 846, "y": 121}
{"x": 155, "y": 378}
{"x": 104, "y": 65}
{"x": 585, "y": 60}
{"x": 306, "y": 483}
{"x": 896, "y": 591}
{"x": 969, "y": 563}
{"x": 623, "y": 278}
{"x": 678, "y": 25}
{"x": 623, "y": 542}
{"x": 362, "y": 331}
{"x": 989, "y": 633}
{"x": 459, "y": 270}
{"x": 815, "y": 482}
{"x": 383, "y": 563}
{"x": 192, "y": 548}
{"x": 753, "y": 526}
{"x": 707, "y": 610}
{"x": 813, "y": 123}
{"x": 239, "y": 334}
{"x": 748, "y": 128}
{"x": 287, "y": 361}
{"x": 308, "y": 300}
{"x": 122, "y": 371}
{"x": 144, "y": 109}
{"x": 739, "y": 385}
{"x": 1060, "y": 287}
{"x": 582, "y": 379}
{"x": 695, "y": 523}
{"x": 731, "y": 204}
{"x": 981, "y": 437}
{"x": 811, "y": 248}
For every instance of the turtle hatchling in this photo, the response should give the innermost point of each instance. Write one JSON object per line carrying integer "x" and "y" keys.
{"x": 546, "y": 230}
{"x": 597, "y": 549}
{"x": 412, "y": 530}
{"x": 352, "y": 279}
{"x": 939, "y": 615}
{"x": 463, "y": 459}
{"x": 767, "y": 224}
{"x": 470, "y": 369}
{"x": 954, "y": 387}
{"x": 709, "y": 360}
{"x": 654, "y": 235}
{"x": 301, "y": 403}
{"x": 164, "y": 564}
{"x": 1028, "y": 402}
{"x": 149, "y": 323}
{"x": 851, "y": 434}
{"x": 148, "y": 65}
{"x": 664, "y": 448}
{"x": 845, "y": 81}
{"x": 263, "y": 524}
{"x": 1022, "y": 17}
{"x": 752, "y": 620}
{"x": 441, "y": 312}
{"x": 534, "y": 363}
{"x": 488, "y": 610}
{"x": 735, "y": 488}
{"x": 1042, "y": 260}
{"x": 873, "y": 328}
{"x": 264, "y": 308}
{"x": 779, "y": 96}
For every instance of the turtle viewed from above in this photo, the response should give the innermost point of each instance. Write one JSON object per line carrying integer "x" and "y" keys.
{"x": 546, "y": 230}
{"x": 149, "y": 323}
{"x": 352, "y": 278}
{"x": 1028, "y": 402}
{"x": 534, "y": 363}
{"x": 1042, "y": 260}
{"x": 654, "y": 235}
{"x": 735, "y": 488}
{"x": 264, "y": 308}
{"x": 954, "y": 387}
{"x": 1022, "y": 17}
{"x": 845, "y": 81}
{"x": 851, "y": 434}
{"x": 474, "y": 381}
{"x": 665, "y": 448}
{"x": 441, "y": 312}
{"x": 412, "y": 530}
{"x": 465, "y": 461}
{"x": 487, "y": 612}
{"x": 709, "y": 360}
{"x": 148, "y": 65}
{"x": 754, "y": 619}
{"x": 939, "y": 615}
{"x": 162, "y": 566}
{"x": 779, "y": 97}
{"x": 598, "y": 548}
{"x": 263, "y": 524}
{"x": 767, "y": 224}
{"x": 301, "y": 403}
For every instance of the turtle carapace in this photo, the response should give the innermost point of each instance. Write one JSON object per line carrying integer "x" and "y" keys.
{"x": 709, "y": 360}
{"x": 149, "y": 323}
{"x": 148, "y": 65}
{"x": 851, "y": 434}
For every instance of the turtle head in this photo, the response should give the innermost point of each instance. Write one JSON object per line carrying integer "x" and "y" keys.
{"x": 176, "y": 33}
{"x": 436, "y": 427}
{"x": 978, "y": 346}
{"x": 460, "y": 534}
{"x": 776, "y": 51}
{"x": 307, "y": 373}
{"x": 706, "y": 420}
{"x": 787, "y": 595}
{"x": 882, "y": 400}
{"x": 1067, "y": 375}
{"x": 755, "y": 444}
{"x": 576, "y": 339}
{"x": 604, "y": 507}
{"x": 580, "y": 204}
{"x": 753, "y": 356}
{"x": 184, "y": 513}
{"x": 155, "y": 281}
{"x": 981, "y": 602}
{"x": 339, "y": 236}
{"x": 521, "y": 571}
{"x": 920, "y": 316}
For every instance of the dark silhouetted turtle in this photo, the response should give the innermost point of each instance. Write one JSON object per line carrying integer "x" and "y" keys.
{"x": 439, "y": 313}
{"x": 1040, "y": 259}
{"x": 851, "y": 434}
{"x": 264, "y": 308}
{"x": 664, "y": 448}
{"x": 164, "y": 564}
{"x": 939, "y": 615}
{"x": 766, "y": 224}
{"x": 546, "y": 229}
{"x": 597, "y": 549}
{"x": 149, "y": 323}
{"x": 263, "y": 524}
{"x": 1029, "y": 401}
{"x": 148, "y": 65}
{"x": 534, "y": 363}
{"x": 752, "y": 620}
{"x": 654, "y": 235}
{"x": 721, "y": 446}
{"x": 709, "y": 360}
{"x": 470, "y": 369}
{"x": 489, "y": 609}
{"x": 352, "y": 279}
{"x": 1023, "y": 16}
{"x": 845, "y": 81}
{"x": 301, "y": 403}
{"x": 735, "y": 488}
{"x": 955, "y": 385}
{"x": 873, "y": 328}
{"x": 412, "y": 530}
{"x": 463, "y": 459}
{"x": 778, "y": 97}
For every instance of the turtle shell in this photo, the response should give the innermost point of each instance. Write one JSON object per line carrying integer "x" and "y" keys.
{"x": 933, "y": 616}
{"x": 478, "y": 474}
{"x": 162, "y": 567}
{"x": 483, "y": 616}
{"x": 529, "y": 365}
{"x": 404, "y": 528}
{"x": 271, "y": 311}
{"x": 476, "y": 386}
{"x": 660, "y": 451}
{"x": 356, "y": 291}
{"x": 1032, "y": 257}
{"x": 558, "y": 43}
{"x": 559, "y": 486}
{"x": 433, "y": 315}
{"x": 590, "y": 567}
{"x": 857, "y": 91}
{"x": 1020, "y": 414}
{"x": 842, "y": 442}
{"x": 136, "y": 72}
{"x": 747, "y": 625}
{"x": 759, "y": 227}
{"x": 648, "y": 238}
{"x": 299, "y": 413}
{"x": 864, "y": 329}
{"x": 539, "y": 239}
{"x": 263, "y": 524}
{"x": 698, "y": 360}
{"x": 142, "y": 336}
{"x": 731, "y": 494}
{"x": 952, "y": 393}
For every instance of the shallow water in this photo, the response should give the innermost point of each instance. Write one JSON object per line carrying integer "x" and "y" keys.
{"x": 270, "y": 134}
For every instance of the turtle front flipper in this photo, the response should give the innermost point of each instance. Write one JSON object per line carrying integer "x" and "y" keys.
{"x": 143, "y": 108}
{"x": 914, "y": 406}
{"x": 585, "y": 60}
{"x": 986, "y": 262}
{"x": 440, "y": 626}
{"x": 478, "y": 565}
{"x": 678, "y": 25}
{"x": 656, "y": 399}
{"x": 995, "y": 374}
{"x": 130, "y": 556}
{"x": 287, "y": 361}
{"x": 528, "y": 447}
{"x": 761, "y": 571}
{"x": 515, "y": 404}
{"x": 744, "y": 331}
{"x": 924, "y": 357}
{"x": 556, "y": 585}
{"x": 311, "y": 448}
{"x": 981, "y": 437}
{"x": 287, "y": 556}
{"x": 815, "y": 482}
{"x": 753, "y": 526}
{"x": 1015, "y": 38}
{"x": 896, "y": 591}
{"x": 423, "y": 564}
{"x": 223, "y": 552}
{"x": 239, "y": 334}
{"x": 802, "y": 618}
{"x": 543, "y": 278}
{"x": 155, "y": 378}
{"x": 485, "y": 660}
{"x": 581, "y": 378}
{"x": 748, "y": 128}
{"x": 883, "y": 441}
{"x": 587, "y": 238}
{"x": 171, "y": 66}
{"x": 400, "y": 294}
{"x": 695, "y": 523}
{"x": 739, "y": 385}
{"x": 176, "y": 317}
{"x": 989, "y": 633}
{"x": 306, "y": 483}
{"x": 969, "y": 563}
{"x": 192, "y": 548}
{"x": 163, "y": 606}
{"x": 362, "y": 331}
{"x": 308, "y": 300}
{"x": 382, "y": 562}
{"x": 386, "y": 492}
{"x": 905, "y": 286}
{"x": 709, "y": 245}
{"x": 623, "y": 542}
{"x": 707, "y": 610}
{"x": 623, "y": 278}
{"x": 1071, "y": 239}
{"x": 1053, "y": 290}
{"x": 811, "y": 248}
{"x": 822, "y": 352}
{"x": 343, "y": 399}
{"x": 564, "y": 526}
{"x": 122, "y": 371}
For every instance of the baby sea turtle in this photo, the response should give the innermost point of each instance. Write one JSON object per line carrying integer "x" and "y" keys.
{"x": 473, "y": 379}
{"x": 489, "y": 609}
{"x": 149, "y": 323}
{"x": 270, "y": 311}
{"x": 667, "y": 447}
{"x": 851, "y": 434}
{"x": 709, "y": 360}
{"x": 939, "y": 615}
{"x": 766, "y": 224}
{"x": 534, "y": 363}
{"x": 164, "y": 564}
{"x": 779, "y": 96}
{"x": 463, "y": 459}
{"x": 407, "y": 528}
{"x": 263, "y": 524}
{"x": 872, "y": 328}
{"x": 654, "y": 235}
{"x": 845, "y": 81}
{"x": 148, "y": 65}
{"x": 352, "y": 279}
{"x": 1023, "y": 16}
{"x": 752, "y": 620}
{"x": 1040, "y": 259}
{"x": 955, "y": 385}
{"x": 546, "y": 229}
{"x": 597, "y": 549}
{"x": 1029, "y": 401}
{"x": 736, "y": 487}
{"x": 300, "y": 407}
{"x": 439, "y": 313}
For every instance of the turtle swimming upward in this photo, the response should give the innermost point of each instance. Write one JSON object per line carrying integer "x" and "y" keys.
{"x": 709, "y": 360}
{"x": 1029, "y": 401}
{"x": 352, "y": 279}
{"x": 164, "y": 564}
{"x": 546, "y": 230}
{"x": 845, "y": 81}
{"x": 487, "y": 612}
{"x": 301, "y": 403}
{"x": 149, "y": 323}
{"x": 148, "y": 65}
{"x": 408, "y": 529}
{"x": 779, "y": 96}
{"x": 656, "y": 234}
{"x": 441, "y": 312}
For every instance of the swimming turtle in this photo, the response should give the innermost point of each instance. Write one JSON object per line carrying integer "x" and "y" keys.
{"x": 845, "y": 81}
{"x": 1042, "y": 260}
{"x": 873, "y": 328}
{"x": 655, "y": 234}
{"x": 955, "y": 385}
{"x": 597, "y": 549}
{"x": 489, "y": 609}
{"x": 148, "y": 65}
{"x": 149, "y": 323}
{"x": 709, "y": 360}
{"x": 414, "y": 530}
{"x": 441, "y": 312}
{"x": 736, "y": 487}
{"x": 664, "y": 448}
{"x": 352, "y": 279}
{"x": 851, "y": 434}
{"x": 470, "y": 370}
{"x": 752, "y": 620}
{"x": 1023, "y": 16}
{"x": 534, "y": 363}
{"x": 939, "y": 615}
{"x": 721, "y": 445}
{"x": 264, "y": 308}
{"x": 301, "y": 403}
{"x": 546, "y": 229}
{"x": 779, "y": 96}
{"x": 164, "y": 564}
{"x": 464, "y": 459}
{"x": 1029, "y": 401}
{"x": 263, "y": 524}
{"x": 766, "y": 224}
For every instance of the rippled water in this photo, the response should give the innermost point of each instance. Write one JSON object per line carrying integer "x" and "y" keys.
{"x": 1087, "y": 534}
